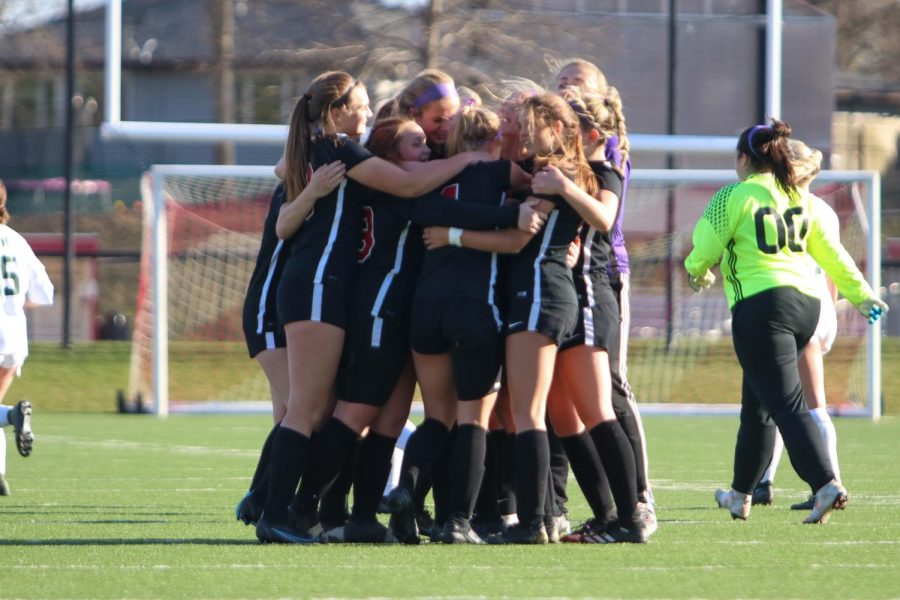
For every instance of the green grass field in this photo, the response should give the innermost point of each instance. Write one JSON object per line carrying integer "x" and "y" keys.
{"x": 117, "y": 506}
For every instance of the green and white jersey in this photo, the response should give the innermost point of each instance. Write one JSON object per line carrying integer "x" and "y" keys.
{"x": 764, "y": 238}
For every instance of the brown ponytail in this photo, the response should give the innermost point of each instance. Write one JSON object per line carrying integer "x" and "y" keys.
{"x": 767, "y": 148}
{"x": 329, "y": 90}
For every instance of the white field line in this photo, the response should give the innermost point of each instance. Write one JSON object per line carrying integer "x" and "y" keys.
{"x": 114, "y": 444}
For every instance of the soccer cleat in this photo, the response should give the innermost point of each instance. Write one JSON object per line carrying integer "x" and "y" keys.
{"x": 635, "y": 533}
{"x": 521, "y": 533}
{"x": 762, "y": 494}
{"x": 371, "y": 532}
{"x": 307, "y": 524}
{"x": 20, "y": 419}
{"x": 459, "y": 532}
{"x": 383, "y": 506}
{"x": 403, "y": 524}
{"x": 485, "y": 528}
{"x": 281, "y": 531}
{"x": 807, "y": 504}
{"x": 248, "y": 510}
{"x": 831, "y": 496}
{"x": 588, "y": 528}
{"x": 552, "y": 532}
{"x": 4, "y": 487}
{"x": 426, "y": 523}
{"x": 736, "y": 502}
{"x": 647, "y": 513}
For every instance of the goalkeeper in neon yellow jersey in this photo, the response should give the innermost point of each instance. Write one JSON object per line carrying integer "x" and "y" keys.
{"x": 763, "y": 231}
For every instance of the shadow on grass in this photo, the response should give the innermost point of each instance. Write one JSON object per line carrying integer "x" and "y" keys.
{"x": 131, "y": 542}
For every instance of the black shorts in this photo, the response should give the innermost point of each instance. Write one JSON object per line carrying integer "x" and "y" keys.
{"x": 301, "y": 299}
{"x": 470, "y": 331}
{"x": 267, "y": 340}
{"x": 376, "y": 350}
{"x": 598, "y": 321}
{"x": 556, "y": 320}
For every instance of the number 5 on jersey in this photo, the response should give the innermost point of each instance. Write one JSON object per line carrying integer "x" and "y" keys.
{"x": 9, "y": 275}
{"x": 783, "y": 228}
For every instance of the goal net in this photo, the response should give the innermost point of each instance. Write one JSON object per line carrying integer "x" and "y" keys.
{"x": 202, "y": 228}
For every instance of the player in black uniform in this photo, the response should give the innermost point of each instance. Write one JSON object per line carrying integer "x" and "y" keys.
{"x": 263, "y": 330}
{"x": 456, "y": 340}
{"x": 312, "y": 290}
{"x": 582, "y": 365}
{"x": 375, "y": 383}
{"x": 541, "y": 302}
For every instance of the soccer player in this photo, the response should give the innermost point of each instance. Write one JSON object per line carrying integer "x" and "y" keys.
{"x": 586, "y": 76}
{"x": 455, "y": 334}
{"x": 25, "y": 283}
{"x": 263, "y": 331}
{"x": 432, "y": 100}
{"x": 764, "y": 230}
{"x": 311, "y": 295}
{"x": 807, "y": 162}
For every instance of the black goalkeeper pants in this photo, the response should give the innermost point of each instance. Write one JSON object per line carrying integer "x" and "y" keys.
{"x": 769, "y": 329}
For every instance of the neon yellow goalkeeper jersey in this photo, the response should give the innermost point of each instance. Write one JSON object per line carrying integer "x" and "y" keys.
{"x": 764, "y": 239}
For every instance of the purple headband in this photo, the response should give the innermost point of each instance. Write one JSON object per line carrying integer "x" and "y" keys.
{"x": 436, "y": 92}
{"x": 750, "y": 135}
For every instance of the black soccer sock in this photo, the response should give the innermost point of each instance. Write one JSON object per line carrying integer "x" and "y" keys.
{"x": 625, "y": 414}
{"x": 590, "y": 475}
{"x": 422, "y": 448}
{"x": 508, "y": 504}
{"x": 618, "y": 462}
{"x": 370, "y": 475}
{"x": 333, "y": 508}
{"x": 265, "y": 456}
{"x": 332, "y": 448}
{"x": 441, "y": 484}
{"x": 487, "y": 506}
{"x": 559, "y": 470}
{"x": 289, "y": 454}
{"x": 532, "y": 471}
{"x": 466, "y": 470}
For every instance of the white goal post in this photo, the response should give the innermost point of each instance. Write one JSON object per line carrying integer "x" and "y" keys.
{"x": 698, "y": 325}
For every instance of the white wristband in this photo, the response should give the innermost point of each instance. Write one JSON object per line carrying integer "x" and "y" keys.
{"x": 454, "y": 236}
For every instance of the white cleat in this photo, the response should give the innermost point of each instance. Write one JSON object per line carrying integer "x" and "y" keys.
{"x": 737, "y": 503}
{"x": 831, "y": 496}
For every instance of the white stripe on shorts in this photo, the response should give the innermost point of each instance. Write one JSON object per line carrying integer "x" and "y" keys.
{"x": 536, "y": 297}
{"x": 318, "y": 288}
{"x": 273, "y": 262}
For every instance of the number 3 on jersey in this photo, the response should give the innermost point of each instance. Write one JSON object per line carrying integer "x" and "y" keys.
{"x": 368, "y": 234}
{"x": 9, "y": 275}
{"x": 785, "y": 226}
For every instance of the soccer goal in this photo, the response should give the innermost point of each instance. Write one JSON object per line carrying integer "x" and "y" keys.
{"x": 202, "y": 227}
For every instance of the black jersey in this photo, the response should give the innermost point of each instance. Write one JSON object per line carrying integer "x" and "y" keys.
{"x": 325, "y": 247}
{"x": 392, "y": 234}
{"x": 539, "y": 270}
{"x": 452, "y": 272}
{"x": 596, "y": 246}
{"x": 260, "y": 312}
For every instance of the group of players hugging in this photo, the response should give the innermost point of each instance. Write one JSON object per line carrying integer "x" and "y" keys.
{"x": 480, "y": 255}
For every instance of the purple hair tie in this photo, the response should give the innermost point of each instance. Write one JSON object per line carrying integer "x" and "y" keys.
{"x": 750, "y": 135}
{"x": 436, "y": 92}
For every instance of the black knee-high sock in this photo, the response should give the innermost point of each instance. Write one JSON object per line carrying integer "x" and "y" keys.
{"x": 466, "y": 470}
{"x": 332, "y": 448}
{"x": 265, "y": 456}
{"x": 487, "y": 506}
{"x": 441, "y": 484}
{"x": 370, "y": 474}
{"x": 625, "y": 414}
{"x": 289, "y": 455}
{"x": 590, "y": 475}
{"x": 508, "y": 504}
{"x": 532, "y": 471}
{"x": 805, "y": 447}
{"x": 422, "y": 448}
{"x": 333, "y": 507}
{"x": 618, "y": 462}
{"x": 559, "y": 470}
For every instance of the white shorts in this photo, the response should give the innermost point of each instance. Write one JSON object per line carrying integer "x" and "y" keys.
{"x": 826, "y": 330}
{"x": 13, "y": 361}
